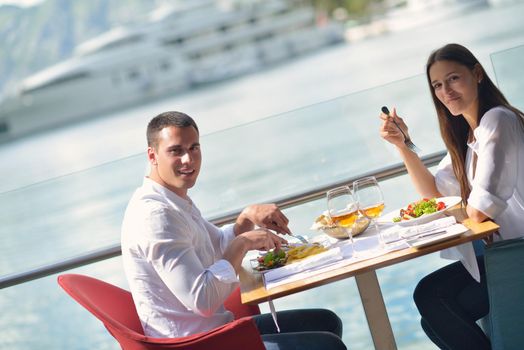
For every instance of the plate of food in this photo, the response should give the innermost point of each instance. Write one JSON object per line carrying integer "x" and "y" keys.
{"x": 286, "y": 255}
{"x": 420, "y": 212}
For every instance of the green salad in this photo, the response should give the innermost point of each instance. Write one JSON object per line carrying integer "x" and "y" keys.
{"x": 419, "y": 208}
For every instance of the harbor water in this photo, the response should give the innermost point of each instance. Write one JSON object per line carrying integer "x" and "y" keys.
{"x": 63, "y": 192}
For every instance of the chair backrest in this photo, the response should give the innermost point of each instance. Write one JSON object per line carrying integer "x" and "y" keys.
{"x": 115, "y": 308}
{"x": 234, "y": 304}
{"x": 112, "y": 305}
{"x": 505, "y": 279}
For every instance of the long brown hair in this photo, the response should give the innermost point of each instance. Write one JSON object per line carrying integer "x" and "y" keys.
{"x": 454, "y": 129}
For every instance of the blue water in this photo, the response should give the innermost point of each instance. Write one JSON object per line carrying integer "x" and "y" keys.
{"x": 265, "y": 158}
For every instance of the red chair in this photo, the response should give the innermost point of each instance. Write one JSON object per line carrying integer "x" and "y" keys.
{"x": 115, "y": 308}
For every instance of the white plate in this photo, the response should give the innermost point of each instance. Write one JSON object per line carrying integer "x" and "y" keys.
{"x": 451, "y": 232}
{"x": 448, "y": 201}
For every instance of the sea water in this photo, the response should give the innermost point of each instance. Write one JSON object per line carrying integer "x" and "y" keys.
{"x": 53, "y": 208}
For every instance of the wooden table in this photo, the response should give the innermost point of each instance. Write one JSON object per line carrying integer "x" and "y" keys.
{"x": 254, "y": 292}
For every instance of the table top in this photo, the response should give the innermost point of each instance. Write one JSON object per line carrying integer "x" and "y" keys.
{"x": 253, "y": 290}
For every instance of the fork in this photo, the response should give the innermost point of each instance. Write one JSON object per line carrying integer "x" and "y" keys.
{"x": 301, "y": 238}
{"x": 407, "y": 140}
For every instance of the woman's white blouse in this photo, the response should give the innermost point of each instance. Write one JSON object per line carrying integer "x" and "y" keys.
{"x": 173, "y": 263}
{"x": 498, "y": 184}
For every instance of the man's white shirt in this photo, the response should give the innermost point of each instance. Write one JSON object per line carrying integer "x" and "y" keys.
{"x": 173, "y": 261}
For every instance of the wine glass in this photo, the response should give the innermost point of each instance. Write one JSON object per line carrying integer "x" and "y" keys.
{"x": 370, "y": 200}
{"x": 343, "y": 210}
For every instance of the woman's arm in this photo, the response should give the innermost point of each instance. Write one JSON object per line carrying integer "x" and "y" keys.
{"x": 475, "y": 214}
{"x": 421, "y": 177}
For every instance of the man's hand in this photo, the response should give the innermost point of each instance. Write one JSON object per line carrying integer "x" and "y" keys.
{"x": 261, "y": 240}
{"x": 251, "y": 240}
{"x": 263, "y": 215}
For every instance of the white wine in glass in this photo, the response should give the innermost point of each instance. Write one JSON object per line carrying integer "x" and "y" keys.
{"x": 370, "y": 201}
{"x": 343, "y": 210}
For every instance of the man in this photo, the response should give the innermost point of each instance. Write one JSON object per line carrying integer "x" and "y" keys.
{"x": 180, "y": 267}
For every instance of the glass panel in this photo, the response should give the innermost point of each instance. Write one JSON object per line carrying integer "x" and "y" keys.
{"x": 509, "y": 72}
{"x": 252, "y": 163}
{"x": 66, "y": 216}
{"x": 309, "y": 147}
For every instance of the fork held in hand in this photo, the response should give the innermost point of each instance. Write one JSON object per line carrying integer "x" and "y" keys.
{"x": 407, "y": 140}
{"x": 301, "y": 238}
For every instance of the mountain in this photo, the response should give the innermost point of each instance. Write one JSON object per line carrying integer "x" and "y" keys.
{"x": 35, "y": 37}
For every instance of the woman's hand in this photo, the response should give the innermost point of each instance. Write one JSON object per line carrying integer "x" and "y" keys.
{"x": 263, "y": 215}
{"x": 475, "y": 214}
{"x": 390, "y": 132}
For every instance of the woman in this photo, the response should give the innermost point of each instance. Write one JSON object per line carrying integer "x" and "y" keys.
{"x": 484, "y": 136}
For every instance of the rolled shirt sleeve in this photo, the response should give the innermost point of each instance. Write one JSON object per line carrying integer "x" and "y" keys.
{"x": 224, "y": 271}
{"x": 445, "y": 179}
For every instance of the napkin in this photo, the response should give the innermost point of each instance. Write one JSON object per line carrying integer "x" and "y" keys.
{"x": 432, "y": 226}
{"x": 397, "y": 232}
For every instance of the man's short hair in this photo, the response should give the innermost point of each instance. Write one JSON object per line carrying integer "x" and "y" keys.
{"x": 176, "y": 119}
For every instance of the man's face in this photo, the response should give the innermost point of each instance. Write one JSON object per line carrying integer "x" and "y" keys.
{"x": 176, "y": 162}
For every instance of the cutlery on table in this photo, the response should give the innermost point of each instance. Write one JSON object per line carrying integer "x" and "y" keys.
{"x": 416, "y": 237}
{"x": 427, "y": 234}
{"x": 407, "y": 140}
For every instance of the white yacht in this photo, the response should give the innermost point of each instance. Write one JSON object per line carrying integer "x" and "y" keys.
{"x": 176, "y": 48}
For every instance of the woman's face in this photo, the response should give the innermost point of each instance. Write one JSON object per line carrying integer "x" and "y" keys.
{"x": 456, "y": 86}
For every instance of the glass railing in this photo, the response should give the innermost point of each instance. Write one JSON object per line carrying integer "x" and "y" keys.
{"x": 509, "y": 73}
{"x": 262, "y": 161}
{"x": 309, "y": 147}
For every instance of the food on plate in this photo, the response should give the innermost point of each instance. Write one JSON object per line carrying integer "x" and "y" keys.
{"x": 321, "y": 222}
{"x": 277, "y": 258}
{"x": 271, "y": 259}
{"x": 324, "y": 223}
{"x": 299, "y": 252}
{"x": 417, "y": 209}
